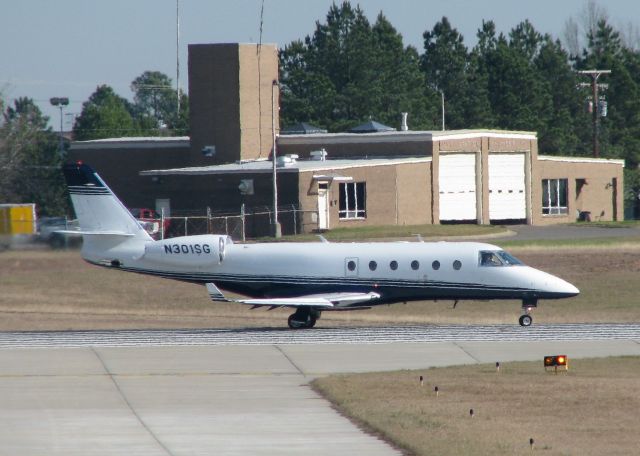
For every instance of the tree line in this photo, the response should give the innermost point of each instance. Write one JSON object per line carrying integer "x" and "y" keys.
{"x": 350, "y": 70}
{"x": 30, "y": 155}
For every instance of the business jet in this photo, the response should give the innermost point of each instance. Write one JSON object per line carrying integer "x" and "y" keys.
{"x": 310, "y": 277}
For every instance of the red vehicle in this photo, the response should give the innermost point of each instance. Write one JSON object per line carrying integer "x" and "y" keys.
{"x": 150, "y": 221}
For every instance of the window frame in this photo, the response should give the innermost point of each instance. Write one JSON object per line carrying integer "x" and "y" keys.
{"x": 356, "y": 193}
{"x": 555, "y": 192}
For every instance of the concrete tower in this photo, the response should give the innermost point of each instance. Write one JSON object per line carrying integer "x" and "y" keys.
{"x": 230, "y": 101}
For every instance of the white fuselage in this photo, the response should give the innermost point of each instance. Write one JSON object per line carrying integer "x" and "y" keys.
{"x": 398, "y": 271}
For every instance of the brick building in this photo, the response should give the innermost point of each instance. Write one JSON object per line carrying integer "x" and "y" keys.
{"x": 342, "y": 179}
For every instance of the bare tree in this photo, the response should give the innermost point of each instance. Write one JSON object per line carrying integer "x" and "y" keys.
{"x": 571, "y": 37}
{"x": 591, "y": 14}
{"x": 630, "y": 36}
{"x": 577, "y": 31}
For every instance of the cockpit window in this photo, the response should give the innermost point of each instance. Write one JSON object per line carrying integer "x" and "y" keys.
{"x": 490, "y": 259}
{"x": 497, "y": 258}
{"x": 509, "y": 259}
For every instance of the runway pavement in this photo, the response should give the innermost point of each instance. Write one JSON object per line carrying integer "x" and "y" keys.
{"x": 234, "y": 392}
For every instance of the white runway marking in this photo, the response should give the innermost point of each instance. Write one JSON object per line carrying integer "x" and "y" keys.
{"x": 277, "y": 336}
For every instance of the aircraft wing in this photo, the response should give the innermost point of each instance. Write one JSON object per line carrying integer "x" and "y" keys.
{"x": 323, "y": 300}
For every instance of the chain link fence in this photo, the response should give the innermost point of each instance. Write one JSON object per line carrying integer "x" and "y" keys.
{"x": 249, "y": 223}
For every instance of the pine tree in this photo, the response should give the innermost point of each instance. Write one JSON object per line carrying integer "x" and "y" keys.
{"x": 444, "y": 64}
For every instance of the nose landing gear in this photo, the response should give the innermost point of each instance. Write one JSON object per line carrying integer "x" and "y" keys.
{"x": 303, "y": 318}
{"x": 528, "y": 304}
{"x": 525, "y": 320}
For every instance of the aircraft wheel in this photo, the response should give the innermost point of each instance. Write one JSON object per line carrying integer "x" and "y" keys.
{"x": 302, "y": 321}
{"x": 295, "y": 324}
{"x": 525, "y": 320}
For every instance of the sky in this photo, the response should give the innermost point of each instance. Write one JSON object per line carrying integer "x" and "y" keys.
{"x": 66, "y": 48}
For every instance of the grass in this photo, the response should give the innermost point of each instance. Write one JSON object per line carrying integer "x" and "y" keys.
{"x": 604, "y": 242}
{"x": 397, "y": 232}
{"x": 590, "y": 410}
{"x": 617, "y": 224}
{"x": 57, "y": 290}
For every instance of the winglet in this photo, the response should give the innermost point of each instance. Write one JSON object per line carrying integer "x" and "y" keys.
{"x": 214, "y": 293}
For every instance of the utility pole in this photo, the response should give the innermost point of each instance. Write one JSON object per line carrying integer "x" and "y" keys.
{"x": 60, "y": 102}
{"x": 597, "y": 112}
{"x": 276, "y": 229}
{"x": 178, "y": 56}
{"x": 442, "y": 95}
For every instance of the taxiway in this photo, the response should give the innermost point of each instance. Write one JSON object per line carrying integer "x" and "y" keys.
{"x": 234, "y": 392}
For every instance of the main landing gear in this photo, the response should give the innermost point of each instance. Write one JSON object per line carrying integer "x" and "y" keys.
{"x": 527, "y": 306}
{"x": 303, "y": 318}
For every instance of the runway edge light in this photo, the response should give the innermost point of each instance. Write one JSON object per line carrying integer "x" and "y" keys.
{"x": 556, "y": 361}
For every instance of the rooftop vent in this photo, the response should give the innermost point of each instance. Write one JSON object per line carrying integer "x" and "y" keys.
{"x": 318, "y": 155}
{"x": 403, "y": 125}
{"x": 286, "y": 160}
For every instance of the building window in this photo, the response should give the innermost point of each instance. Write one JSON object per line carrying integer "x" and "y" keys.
{"x": 353, "y": 200}
{"x": 554, "y": 196}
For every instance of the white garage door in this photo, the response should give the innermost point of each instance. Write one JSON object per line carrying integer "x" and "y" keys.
{"x": 458, "y": 187}
{"x": 507, "y": 196}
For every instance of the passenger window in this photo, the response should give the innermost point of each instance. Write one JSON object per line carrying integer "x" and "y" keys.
{"x": 457, "y": 265}
{"x": 393, "y": 265}
{"x": 351, "y": 265}
{"x": 415, "y": 265}
{"x": 373, "y": 265}
{"x": 435, "y": 265}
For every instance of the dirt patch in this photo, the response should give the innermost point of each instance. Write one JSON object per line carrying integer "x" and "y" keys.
{"x": 48, "y": 290}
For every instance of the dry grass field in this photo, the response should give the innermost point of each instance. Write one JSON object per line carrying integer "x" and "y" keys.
{"x": 44, "y": 289}
{"x": 590, "y": 410}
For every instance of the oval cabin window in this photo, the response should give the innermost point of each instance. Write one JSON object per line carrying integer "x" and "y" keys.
{"x": 393, "y": 265}
{"x": 415, "y": 265}
{"x": 373, "y": 265}
{"x": 435, "y": 265}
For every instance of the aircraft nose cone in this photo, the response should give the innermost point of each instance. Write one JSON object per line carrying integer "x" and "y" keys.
{"x": 552, "y": 287}
{"x": 562, "y": 288}
{"x": 570, "y": 289}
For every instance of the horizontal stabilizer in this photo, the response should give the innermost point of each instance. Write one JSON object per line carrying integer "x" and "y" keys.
{"x": 96, "y": 233}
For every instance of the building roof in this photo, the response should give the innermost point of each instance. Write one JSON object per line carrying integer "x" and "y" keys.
{"x": 133, "y": 142}
{"x": 371, "y": 126}
{"x": 302, "y": 128}
{"x": 581, "y": 160}
{"x": 394, "y": 136}
{"x": 266, "y": 166}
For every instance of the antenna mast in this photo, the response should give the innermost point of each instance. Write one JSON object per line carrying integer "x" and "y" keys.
{"x": 178, "y": 55}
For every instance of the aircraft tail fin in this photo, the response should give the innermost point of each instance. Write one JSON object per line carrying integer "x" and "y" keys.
{"x": 100, "y": 213}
